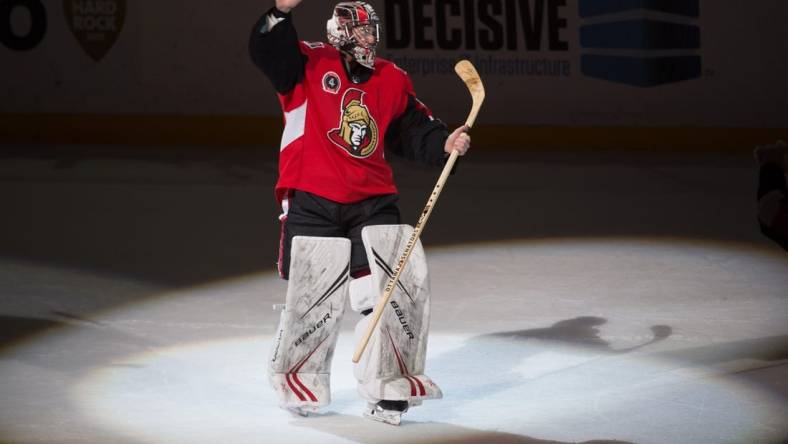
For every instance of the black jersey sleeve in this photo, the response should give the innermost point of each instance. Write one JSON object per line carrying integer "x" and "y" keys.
{"x": 414, "y": 135}
{"x": 276, "y": 51}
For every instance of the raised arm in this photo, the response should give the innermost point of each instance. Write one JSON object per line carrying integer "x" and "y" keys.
{"x": 274, "y": 48}
{"x": 286, "y": 5}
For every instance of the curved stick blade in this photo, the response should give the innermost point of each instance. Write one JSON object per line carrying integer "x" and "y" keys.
{"x": 470, "y": 76}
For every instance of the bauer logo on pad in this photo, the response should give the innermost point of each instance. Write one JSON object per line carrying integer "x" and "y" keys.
{"x": 640, "y": 42}
{"x": 95, "y": 23}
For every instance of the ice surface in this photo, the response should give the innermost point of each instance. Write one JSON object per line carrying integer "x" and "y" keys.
{"x": 136, "y": 299}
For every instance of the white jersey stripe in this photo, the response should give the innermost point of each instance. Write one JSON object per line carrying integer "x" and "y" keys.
{"x": 294, "y": 126}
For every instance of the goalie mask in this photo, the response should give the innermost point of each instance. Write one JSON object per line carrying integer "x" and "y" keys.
{"x": 354, "y": 29}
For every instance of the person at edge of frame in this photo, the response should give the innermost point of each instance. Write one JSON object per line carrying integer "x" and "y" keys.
{"x": 772, "y": 192}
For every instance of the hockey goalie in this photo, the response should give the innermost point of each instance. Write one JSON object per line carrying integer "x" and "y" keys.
{"x": 341, "y": 231}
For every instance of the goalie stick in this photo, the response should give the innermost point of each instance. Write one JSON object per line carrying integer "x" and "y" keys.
{"x": 468, "y": 74}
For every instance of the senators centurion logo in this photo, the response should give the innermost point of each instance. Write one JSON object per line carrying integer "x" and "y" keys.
{"x": 357, "y": 132}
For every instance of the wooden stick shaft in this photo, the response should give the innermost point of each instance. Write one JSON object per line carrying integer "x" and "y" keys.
{"x": 468, "y": 74}
{"x": 392, "y": 282}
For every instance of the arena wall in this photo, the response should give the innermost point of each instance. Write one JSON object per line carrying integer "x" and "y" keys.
{"x": 634, "y": 73}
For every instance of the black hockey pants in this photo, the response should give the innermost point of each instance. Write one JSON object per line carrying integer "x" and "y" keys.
{"x": 306, "y": 214}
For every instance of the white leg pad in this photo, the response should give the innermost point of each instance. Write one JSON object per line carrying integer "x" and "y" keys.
{"x": 362, "y": 295}
{"x": 300, "y": 361}
{"x": 392, "y": 366}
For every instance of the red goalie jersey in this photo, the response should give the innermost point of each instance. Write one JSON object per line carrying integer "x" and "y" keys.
{"x": 338, "y": 123}
{"x": 333, "y": 141}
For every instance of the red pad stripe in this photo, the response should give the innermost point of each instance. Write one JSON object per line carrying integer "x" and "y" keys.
{"x": 292, "y": 387}
{"x": 401, "y": 364}
{"x": 294, "y": 373}
{"x": 422, "y": 391}
{"x": 303, "y": 387}
{"x": 412, "y": 388}
{"x": 402, "y": 368}
{"x": 279, "y": 265}
{"x": 301, "y": 363}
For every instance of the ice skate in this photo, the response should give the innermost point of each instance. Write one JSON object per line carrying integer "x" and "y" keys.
{"x": 389, "y": 412}
{"x": 301, "y": 412}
